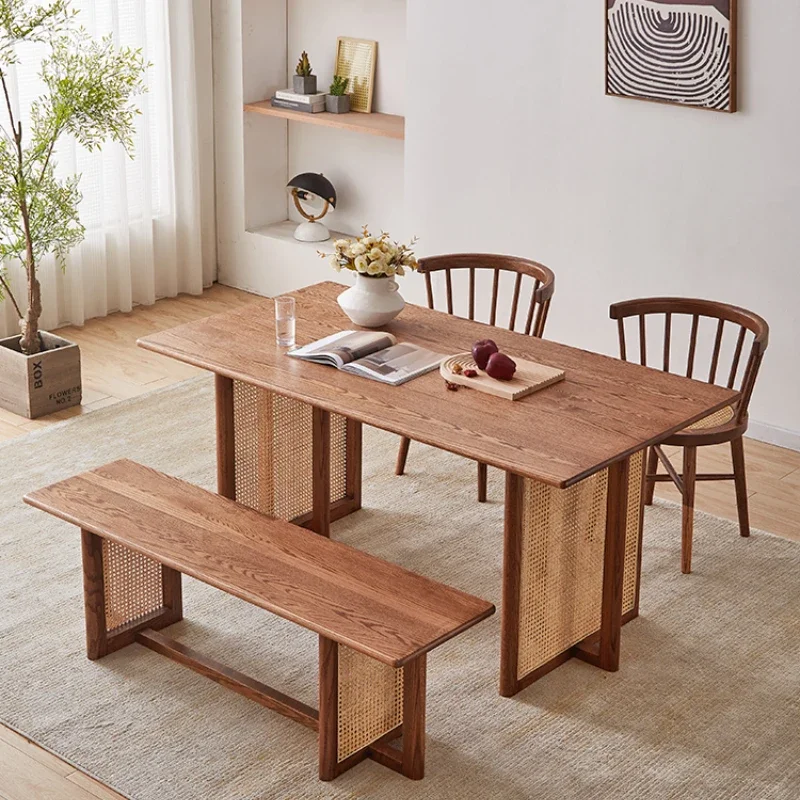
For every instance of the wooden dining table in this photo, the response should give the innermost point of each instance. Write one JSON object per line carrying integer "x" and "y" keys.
{"x": 289, "y": 437}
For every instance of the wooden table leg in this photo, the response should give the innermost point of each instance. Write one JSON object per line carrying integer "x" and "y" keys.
{"x": 614, "y": 565}
{"x": 354, "y": 459}
{"x": 321, "y": 514}
{"x": 226, "y": 445}
{"x": 512, "y": 553}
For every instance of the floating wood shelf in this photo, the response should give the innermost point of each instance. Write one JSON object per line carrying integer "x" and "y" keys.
{"x": 389, "y": 126}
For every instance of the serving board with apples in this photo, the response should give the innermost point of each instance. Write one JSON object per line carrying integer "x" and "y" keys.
{"x": 528, "y": 378}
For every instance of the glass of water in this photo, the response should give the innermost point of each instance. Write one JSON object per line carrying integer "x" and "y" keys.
{"x": 284, "y": 321}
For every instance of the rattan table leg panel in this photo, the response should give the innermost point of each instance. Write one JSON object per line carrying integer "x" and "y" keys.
{"x": 554, "y": 568}
{"x": 266, "y": 453}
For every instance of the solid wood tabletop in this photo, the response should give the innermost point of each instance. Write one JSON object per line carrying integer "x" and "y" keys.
{"x": 370, "y": 605}
{"x": 604, "y": 410}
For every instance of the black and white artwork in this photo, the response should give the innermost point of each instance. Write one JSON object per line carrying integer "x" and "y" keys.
{"x": 673, "y": 51}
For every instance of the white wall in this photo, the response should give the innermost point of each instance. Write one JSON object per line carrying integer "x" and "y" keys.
{"x": 523, "y": 153}
{"x": 511, "y": 146}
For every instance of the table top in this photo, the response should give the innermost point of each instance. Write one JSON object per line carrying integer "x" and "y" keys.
{"x": 604, "y": 411}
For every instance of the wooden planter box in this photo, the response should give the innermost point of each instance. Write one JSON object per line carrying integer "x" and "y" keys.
{"x": 49, "y": 381}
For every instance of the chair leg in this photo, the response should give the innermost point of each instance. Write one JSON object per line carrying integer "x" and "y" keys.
{"x": 740, "y": 479}
{"x": 652, "y": 469}
{"x": 689, "y": 473}
{"x": 483, "y": 480}
{"x": 402, "y": 455}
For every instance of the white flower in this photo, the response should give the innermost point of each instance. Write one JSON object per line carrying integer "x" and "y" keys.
{"x": 341, "y": 244}
{"x": 335, "y": 263}
{"x": 362, "y": 263}
{"x": 376, "y": 254}
{"x": 357, "y": 249}
{"x": 368, "y": 241}
{"x": 390, "y": 270}
{"x": 375, "y": 267}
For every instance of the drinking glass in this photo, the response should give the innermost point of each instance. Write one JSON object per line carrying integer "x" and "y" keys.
{"x": 284, "y": 321}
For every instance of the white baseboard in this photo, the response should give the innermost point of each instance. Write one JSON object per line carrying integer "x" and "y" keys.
{"x": 772, "y": 434}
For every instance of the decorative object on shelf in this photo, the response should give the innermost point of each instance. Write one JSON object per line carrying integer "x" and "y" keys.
{"x": 529, "y": 377}
{"x": 307, "y": 103}
{"x": 337, "y": 101}
{"x": 88, "y": 93}
{"x": 376, "y": 260}
{"x": 355, "y": 60}
{"x": 673, "y": 51}
{"x": 318, "y": 193}
{"x": 303, "y": 81}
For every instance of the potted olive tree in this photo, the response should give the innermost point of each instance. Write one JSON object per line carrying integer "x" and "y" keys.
{"x": 89, "y": 86}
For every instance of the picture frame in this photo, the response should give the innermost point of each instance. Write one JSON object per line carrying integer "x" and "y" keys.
{"x": 356, "y": 59}
{"x": 701, "y": 73}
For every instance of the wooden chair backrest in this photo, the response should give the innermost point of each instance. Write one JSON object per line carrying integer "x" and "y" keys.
{"x": 534, "y": 317}
{"x": 670, "y": 308}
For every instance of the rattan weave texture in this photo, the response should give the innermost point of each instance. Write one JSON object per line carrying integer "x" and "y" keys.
{"x": 273, "y": 453}
{"x": 133, "y": 586}
{"x": 561, "y": 581}
{"x": 370, "y": 700}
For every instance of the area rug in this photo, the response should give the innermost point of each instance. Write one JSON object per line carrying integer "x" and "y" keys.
{"x": 706, "y": 705}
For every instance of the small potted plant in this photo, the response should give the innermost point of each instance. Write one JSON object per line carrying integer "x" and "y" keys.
{"x": 376, "y": 261}
{"x": 337, "y": 101}
{"x": 303, "y": 81}
{"x": 88, "y": 91}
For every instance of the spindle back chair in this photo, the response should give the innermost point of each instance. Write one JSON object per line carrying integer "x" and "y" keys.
{"x": 727, "y": 425}
{"x": 528, "y": 275}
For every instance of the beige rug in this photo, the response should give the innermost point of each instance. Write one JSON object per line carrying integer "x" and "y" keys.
{"x": 707, "y": 704}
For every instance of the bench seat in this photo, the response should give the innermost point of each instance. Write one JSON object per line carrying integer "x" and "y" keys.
{"x": 143, "y": 529}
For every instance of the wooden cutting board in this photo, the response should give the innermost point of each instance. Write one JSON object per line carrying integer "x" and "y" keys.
{"x": 529, "y": 377}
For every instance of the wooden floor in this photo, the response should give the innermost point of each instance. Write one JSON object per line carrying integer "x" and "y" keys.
{"x": 114, "y": 369}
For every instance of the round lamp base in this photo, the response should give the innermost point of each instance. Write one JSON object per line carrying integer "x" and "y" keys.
{"x": 311, "y": 232}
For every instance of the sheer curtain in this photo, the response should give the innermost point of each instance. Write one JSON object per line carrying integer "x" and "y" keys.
{"x": 149, "y": 221}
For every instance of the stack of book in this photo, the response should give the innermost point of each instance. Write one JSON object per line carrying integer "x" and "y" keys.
{"x": 307, "y": 103}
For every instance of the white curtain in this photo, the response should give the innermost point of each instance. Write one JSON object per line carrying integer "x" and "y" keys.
{"x": 149, "y": 221}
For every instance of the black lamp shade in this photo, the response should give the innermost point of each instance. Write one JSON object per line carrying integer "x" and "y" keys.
{"x": 315, "y": 183}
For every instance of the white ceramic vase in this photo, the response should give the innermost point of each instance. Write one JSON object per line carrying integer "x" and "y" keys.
{"x": 372, "y": 302}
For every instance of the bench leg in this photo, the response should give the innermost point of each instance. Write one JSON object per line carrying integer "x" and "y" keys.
{"x": 364, "y": 705}
{"x": 414, "y": 680}
{"x": 124, "y": 593}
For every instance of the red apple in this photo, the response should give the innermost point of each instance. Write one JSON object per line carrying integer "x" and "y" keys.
{"x": 482, "y": 351}
{"x": 501, "y": 367}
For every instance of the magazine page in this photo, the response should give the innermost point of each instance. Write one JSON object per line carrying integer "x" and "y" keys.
{"x": 344, "y": 347}
{"x": 396, "y": 364}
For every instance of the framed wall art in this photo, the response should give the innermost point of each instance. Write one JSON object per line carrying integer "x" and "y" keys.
{"x": 355, "y": 59}
{"x": 673, "y": 51}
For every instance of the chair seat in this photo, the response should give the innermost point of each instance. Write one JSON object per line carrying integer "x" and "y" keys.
{"x": 715, "y": 420}
{"x": 721, "y": 426}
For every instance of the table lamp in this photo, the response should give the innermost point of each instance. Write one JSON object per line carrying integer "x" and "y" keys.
{"x": 315, "y": 191}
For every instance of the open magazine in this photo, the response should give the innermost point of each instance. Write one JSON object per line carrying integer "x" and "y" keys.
{"x": 372, "y": 354}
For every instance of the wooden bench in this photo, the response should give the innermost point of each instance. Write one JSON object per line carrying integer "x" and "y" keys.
{"x": 376, "y": 621}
